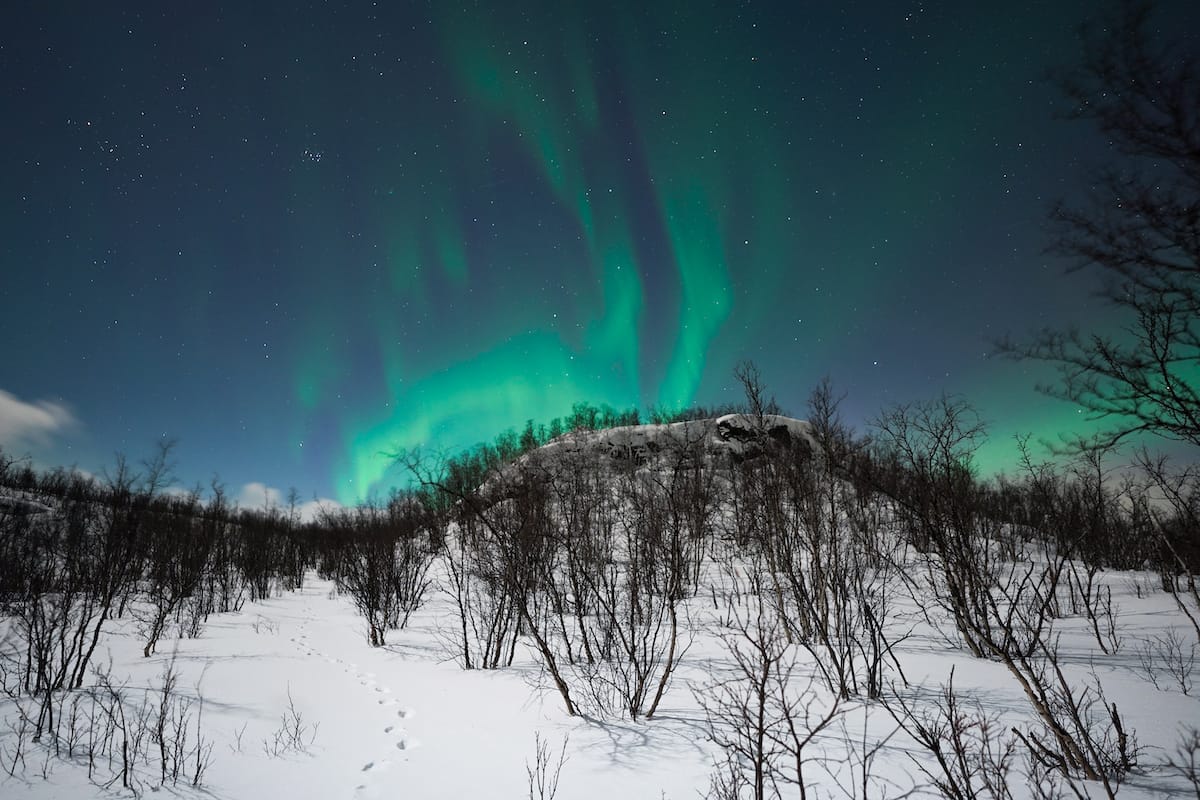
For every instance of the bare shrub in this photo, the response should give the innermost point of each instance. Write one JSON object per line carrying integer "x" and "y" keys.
{"x": 544, "y": 772}
{"x": 1080, "y": 734}
{"x": 294, "y": 734}
{"x": 1177, "y": 529}
{"x": 589, "y": 572}
{"x": 1168, "y": 659}
{"x": 999, "y": 596}
{"x": 1095, "y": 603}
{"x": 811, "y": 531}
{"x": 853, "y": 771}
{"x": 635, "y": 629}
{"x": 1002, "y": 609}
{"x": 1185, "y": 761}
{"x": 383, "y": 560}
{"x": 129, "y": 736}
{"x": 973, "y": 753}
{"x": 764, "y": 716}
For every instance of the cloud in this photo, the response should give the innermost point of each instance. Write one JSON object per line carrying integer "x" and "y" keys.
{"x": 23, "y": 423}
{"x": 259, "y": 495}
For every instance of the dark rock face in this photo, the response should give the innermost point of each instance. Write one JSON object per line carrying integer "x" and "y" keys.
{"x": 739, "y": 429}
{"x": 728, "y": 431}
{"x": 751, "y": 436}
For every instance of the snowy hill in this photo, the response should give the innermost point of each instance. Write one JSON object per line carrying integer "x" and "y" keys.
{"x": 614, "y": 636}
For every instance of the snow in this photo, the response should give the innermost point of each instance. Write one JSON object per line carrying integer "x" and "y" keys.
{"x": 399, "y": 721}
{"x": 405, "y": 720}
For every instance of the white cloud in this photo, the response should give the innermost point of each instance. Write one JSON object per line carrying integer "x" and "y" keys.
{"x": 23, "y": 423}
{"x": 259, "y": 495}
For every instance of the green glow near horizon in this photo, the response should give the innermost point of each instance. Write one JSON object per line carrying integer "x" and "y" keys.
{"x": 640, "y": 319}
{"x": 681, "y": 192}
{"x": 450, "y": 408}
{"x": 587, "y": 349}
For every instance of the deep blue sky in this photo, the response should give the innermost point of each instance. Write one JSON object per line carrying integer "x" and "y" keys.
{"x": 294, "y": 237}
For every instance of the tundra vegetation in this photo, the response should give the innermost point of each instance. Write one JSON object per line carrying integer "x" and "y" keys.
{"x": 813, "y": 564}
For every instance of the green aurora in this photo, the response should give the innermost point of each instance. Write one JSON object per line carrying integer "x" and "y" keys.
{"x": 345, "y": 232}
{"x": 681, "y": 212}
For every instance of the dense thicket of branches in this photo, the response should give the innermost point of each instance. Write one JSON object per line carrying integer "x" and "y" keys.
{"x": 379, "y": 555}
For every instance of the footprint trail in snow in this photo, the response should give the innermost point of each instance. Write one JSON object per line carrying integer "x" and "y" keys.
{"x": 395, "y": 734}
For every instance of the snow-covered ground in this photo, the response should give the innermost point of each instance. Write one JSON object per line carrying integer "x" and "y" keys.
{"x": 398, "y": 721}
{"x": 406, "y": 721}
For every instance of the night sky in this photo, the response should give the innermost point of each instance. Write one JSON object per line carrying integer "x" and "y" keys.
{"x": 295, "y": 237}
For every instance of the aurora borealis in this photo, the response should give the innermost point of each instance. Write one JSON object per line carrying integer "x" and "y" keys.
{"x": 298, "y": 237}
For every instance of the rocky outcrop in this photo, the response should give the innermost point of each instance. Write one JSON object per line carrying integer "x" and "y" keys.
{"x": 731, "y": 438}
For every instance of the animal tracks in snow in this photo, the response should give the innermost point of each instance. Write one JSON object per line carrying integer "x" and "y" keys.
{"x": 400, "y": 741}
{"x": 395, "y": 735}
{"x": 395, "y": 732}
{"x": 404, "y": 741}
